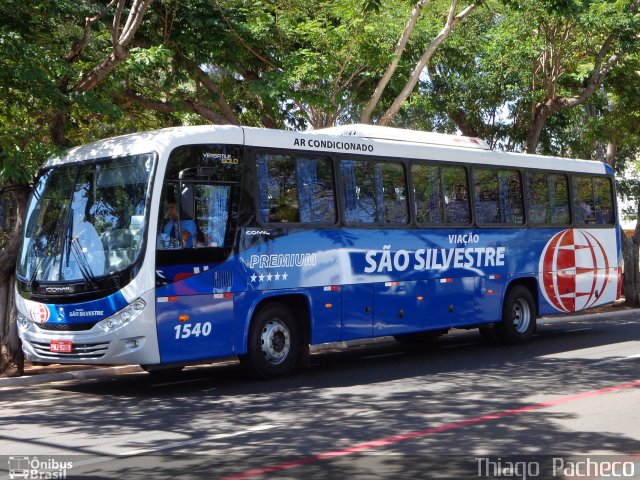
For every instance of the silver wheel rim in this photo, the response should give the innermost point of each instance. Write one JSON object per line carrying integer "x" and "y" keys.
{"x": 275, "y": 341}
{"x": 521, "y": 315}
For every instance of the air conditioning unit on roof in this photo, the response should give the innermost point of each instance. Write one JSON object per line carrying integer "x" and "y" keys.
{"x": 375, "y": 132}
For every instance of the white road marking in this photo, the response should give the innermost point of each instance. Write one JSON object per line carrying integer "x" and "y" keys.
{"x": 609, "y": 351}
{"x": 218, "y": 436}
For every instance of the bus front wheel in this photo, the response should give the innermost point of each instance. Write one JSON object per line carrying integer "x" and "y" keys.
{"x": 518, "y": 316}
{"x": 274, "y": 343}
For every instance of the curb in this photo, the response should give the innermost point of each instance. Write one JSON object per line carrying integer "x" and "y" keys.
{"x": 88, "y": 374}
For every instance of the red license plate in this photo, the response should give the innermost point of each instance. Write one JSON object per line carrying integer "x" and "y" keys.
{"x": 60, "y": 346}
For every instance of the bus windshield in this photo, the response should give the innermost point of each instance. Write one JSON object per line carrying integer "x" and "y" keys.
{"x": 86, "y": 220}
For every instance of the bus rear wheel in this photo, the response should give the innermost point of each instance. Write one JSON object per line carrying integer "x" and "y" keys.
{"x": 274, "y": 343}
{"x": 518, "y": 316}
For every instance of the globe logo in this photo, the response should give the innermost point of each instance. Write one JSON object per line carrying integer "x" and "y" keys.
{"x": 574, "y": 270}
{"x": 40, "y": 313}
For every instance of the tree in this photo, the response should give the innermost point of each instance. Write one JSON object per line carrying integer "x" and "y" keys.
{"x": 452, "y": 20}
{"x": 45, "y": 80}
{"x": 10, "y": 231}
{"x": 577, "y": 53}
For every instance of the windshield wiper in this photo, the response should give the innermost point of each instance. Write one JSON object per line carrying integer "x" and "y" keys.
{"x": 83, "y": 264}
{"x": 72, "y": 245}
{"x": 39, "y": 259}
{"x": 67, "y": 236}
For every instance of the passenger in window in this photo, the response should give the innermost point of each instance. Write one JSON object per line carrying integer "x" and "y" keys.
{"x": 587, "y": 213}
{"x": 169, "y": 230}
{"x": 273, "y": 214}
{"x": 200, "y": 239}
{"x": 187, "y": 239}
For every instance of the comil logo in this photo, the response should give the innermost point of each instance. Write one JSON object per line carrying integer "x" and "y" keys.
{"x": 574, "y": 269}
{"x": 40, "y": 313}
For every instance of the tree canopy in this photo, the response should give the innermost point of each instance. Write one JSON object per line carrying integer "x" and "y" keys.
{"x": 556, "y": 77}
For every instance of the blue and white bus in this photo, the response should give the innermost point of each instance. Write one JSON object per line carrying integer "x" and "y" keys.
{"x": 186, "y": 244}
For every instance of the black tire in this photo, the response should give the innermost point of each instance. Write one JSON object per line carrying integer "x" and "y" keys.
{"x": 274, "y": 343}
{"x": 518, "y": 316}
{"x": 489, "y": 335}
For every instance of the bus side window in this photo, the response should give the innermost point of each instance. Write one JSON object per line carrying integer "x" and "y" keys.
{"x": 456, "y": 195}
{"x": 559, "y": 199}
{"x": 427, "y": 194}
{"x": 168, "y": 229}
{"x": 295, "y": 189}
{"x": 603, "y": 201}
{"x": 374, "y": 192}
{"x": 359, "y": 191}
{"x": 583, "y": 200}
{"x": 209, "y": 226}
{"x": 511, "y": 200}
{"x": 498, "y": 196}
{"x": 486, "y": 196}
{"x": 394, "y": 191}
{"x": 548, "y": 198}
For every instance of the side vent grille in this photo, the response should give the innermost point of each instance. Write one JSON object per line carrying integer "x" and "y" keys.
{"x": 222, "y": 279}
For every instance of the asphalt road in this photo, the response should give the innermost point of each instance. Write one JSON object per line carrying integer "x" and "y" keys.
{"x": 461, "y": 409}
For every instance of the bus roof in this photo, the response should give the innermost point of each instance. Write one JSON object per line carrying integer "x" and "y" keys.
{"x": 376, "y": 132}
{"x": 151, "y": 141}
{"x": 350, "y": 140}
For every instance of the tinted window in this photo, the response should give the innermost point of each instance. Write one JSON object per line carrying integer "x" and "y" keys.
{"x": 498, "y": 195}
{"x": 374, "y": 192}
{"x": 441, "y": 194}
{"x": 427, "y": 188}
{"x": 86, "y": 220}
{"x": 592, "y": 200}
{"x": 199, "y": 197}
{"x": 456, "y": 195}
{"x": 295, "y": 189}
{"x": 548, "y": 198}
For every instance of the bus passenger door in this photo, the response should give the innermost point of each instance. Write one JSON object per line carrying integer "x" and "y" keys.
{"x": 357, "y": 311}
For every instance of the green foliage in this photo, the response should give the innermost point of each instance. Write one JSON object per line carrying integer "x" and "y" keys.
{"x": 298, "y": 64}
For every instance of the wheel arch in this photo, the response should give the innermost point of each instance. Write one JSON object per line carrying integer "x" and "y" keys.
{"x": 531, "y": 284}
{"x": 298, "y": 302}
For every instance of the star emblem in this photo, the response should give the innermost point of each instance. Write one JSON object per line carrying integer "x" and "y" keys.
{"x": 277, "y": 276}
{"x": 269, "y": 277}
{"x": 285, "y": 275}
{"x": 261, "y": 277}
{"x": 253, "y": 277}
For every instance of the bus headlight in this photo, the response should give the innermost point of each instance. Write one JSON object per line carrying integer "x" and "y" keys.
{"x": 124, "y": 316}
{"x": 23, "y": 322}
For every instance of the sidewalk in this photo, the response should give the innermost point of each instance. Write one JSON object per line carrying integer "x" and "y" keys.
{"x": 37, "y": 374}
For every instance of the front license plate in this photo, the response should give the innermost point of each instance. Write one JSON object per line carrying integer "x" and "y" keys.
{"x": 60, "y": 346}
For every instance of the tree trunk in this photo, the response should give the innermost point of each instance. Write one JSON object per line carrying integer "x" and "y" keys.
{"x": 452, "y": 21}
{"x": 631, "y": 283}
{"x": 391, "y": 68}
{"x": 11, "y": 357}
{"x": 631, "y": 258}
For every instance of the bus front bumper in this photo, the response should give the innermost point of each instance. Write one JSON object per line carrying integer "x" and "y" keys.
{"x": 134, "y": 343}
